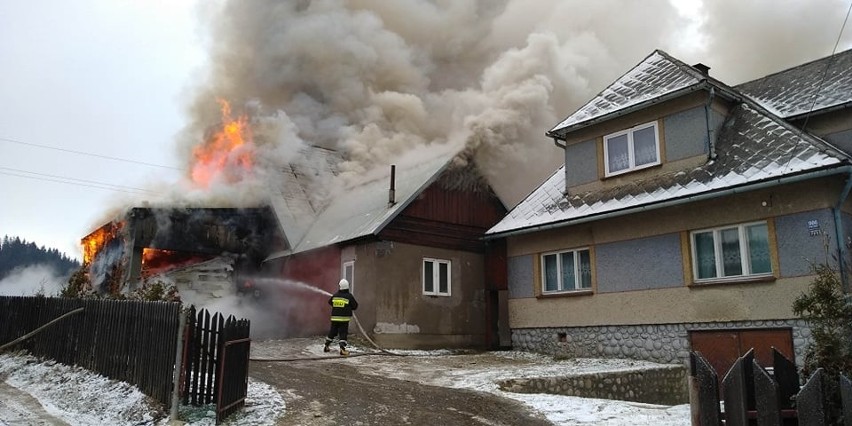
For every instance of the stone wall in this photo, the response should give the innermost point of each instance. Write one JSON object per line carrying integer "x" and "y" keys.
{"x": 661, "y": 343}
{"x": 666, "y": 385}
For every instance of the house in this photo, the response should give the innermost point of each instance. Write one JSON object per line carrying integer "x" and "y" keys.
{"x": 686, "y": 215}
{"x": 409, "y": 240}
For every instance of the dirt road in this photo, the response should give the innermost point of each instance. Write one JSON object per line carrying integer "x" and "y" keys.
{"x": 337, "y": 392}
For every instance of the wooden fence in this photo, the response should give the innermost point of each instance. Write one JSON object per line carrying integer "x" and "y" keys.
{"x": 136, "y": 342}
{"x": 753, "y": 396}
{"x": 128, "y": 341}
{"x": 216, "y": 360}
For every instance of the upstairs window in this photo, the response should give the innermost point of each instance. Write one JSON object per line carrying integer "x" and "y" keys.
{"x": 730, "y": 252}
{"x": 436, "y": 277}
{"x": 566, "y": 271}
{"x": 632, "y": 149}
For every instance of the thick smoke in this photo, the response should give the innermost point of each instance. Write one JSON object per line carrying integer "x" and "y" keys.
{"x": 375, "y": 79}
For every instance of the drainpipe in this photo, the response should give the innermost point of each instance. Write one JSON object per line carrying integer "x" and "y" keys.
{"x": 838, "y": 229}
{"x": 562, "y": 146}
{"x": 708, "y": 108}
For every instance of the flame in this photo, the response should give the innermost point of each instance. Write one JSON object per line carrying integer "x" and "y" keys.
{"x": 95, "y": 242}
{"x": 227, "y": 153}
{"x": 155, "y": 261}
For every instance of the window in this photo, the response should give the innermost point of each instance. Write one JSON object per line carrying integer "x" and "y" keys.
{"x": 566, "y": 271}
{"x": 735, "y": 251}
{"x": 348, "y": 272}
{"x": 436, "y": 277}
{"x": 632, "y": 149}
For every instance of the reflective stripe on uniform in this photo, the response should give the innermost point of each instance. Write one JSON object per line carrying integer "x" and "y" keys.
{"x": 340, "y": 319}
{"x": 339, "y": 302}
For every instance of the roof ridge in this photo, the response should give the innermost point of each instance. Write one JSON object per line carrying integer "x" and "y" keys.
{"x": 802, "y": 65}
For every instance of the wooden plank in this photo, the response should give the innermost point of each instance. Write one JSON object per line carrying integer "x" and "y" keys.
{"x": 766, "y": 397}
{"x": 846, "y": 400}
{"x": 811, "y": 402}
{"x": 736, "y": 399}
{"x": 707, "y": 391}
{"x": 787, "y": 376}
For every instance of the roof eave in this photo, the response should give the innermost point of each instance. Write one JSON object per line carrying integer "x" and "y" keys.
{"x": 840, "y": 168}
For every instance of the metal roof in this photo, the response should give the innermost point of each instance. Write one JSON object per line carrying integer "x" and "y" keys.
{"x": 752, "y": 147}
{"x": 793, "y": 92}
{"x": 659, "y": 74}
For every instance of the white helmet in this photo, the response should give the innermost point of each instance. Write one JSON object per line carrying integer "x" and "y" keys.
{"x": 343, "y": 284}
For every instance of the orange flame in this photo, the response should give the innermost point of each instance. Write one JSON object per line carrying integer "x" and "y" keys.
{"x": 228, "y": 152}
{"x": 95, "y": 242}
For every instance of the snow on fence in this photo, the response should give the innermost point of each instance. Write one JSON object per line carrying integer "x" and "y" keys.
{"x": 216, "y": 360}
{"x": 128, "y": 341}
{"x": 135, "y": 342}
{"x": 754, "y": 396}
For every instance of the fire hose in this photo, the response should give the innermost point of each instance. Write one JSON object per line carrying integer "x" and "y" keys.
{"x": 381, "y": 350}
{"x": 38, "y": 330}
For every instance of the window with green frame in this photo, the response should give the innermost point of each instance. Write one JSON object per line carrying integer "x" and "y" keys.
{"x": 731, "y": 251}
{"x": 566, "y": 271}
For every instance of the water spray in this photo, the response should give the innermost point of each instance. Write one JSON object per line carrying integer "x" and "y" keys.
{"x": 309, "y": 287}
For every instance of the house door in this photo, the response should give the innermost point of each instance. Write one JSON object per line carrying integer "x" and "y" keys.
{"x": 721, "y": 348}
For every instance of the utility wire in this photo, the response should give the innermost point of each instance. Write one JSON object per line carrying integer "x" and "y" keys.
{"x": 71, "y": 181}
{"x": 107, "y": 157}
{"x": 822, "y": 80}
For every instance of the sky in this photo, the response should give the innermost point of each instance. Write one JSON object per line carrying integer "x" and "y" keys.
{"x": 103, "y": 99}
{"x": 97, "y": 400}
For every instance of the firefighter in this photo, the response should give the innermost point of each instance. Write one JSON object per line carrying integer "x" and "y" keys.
{"x": 342, "y": 304}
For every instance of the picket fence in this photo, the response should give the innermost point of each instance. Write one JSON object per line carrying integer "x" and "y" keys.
{"x": 754, "y": 396}
{"x": 136, "y": 342}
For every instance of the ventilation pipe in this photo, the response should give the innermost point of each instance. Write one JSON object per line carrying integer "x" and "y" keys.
{"x": 392, "y": 192}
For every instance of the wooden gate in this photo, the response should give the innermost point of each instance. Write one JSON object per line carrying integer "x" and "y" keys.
{"x": 215, "y": 365}
{"x": 721, "y": 348}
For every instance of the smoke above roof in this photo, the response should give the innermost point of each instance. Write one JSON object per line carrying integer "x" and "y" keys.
{"x": 377, "y": 80}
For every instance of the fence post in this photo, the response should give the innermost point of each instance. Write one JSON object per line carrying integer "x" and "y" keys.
{"x": 173, "y": 413}
{"x": 846, "y": 400}
{"x": 704, "y": 392}
{"x": 810, "y": 401}
{"x": 767, "y": 396}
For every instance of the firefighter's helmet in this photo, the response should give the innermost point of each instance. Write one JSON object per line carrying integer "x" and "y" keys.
{"x": 343, "y": 284}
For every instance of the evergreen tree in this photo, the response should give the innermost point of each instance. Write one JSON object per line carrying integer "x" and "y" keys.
{"x": 16, "y": 253}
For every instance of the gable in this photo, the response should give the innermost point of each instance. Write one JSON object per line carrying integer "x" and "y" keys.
{"x": 657, "y": 76}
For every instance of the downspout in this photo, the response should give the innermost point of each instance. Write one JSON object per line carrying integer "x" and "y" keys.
{"x": 711, "y": 133}
{"x": 838, "y": 229}
{"x": 562, "y": 146}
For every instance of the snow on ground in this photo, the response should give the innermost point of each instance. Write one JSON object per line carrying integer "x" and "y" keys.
{"x": 79, "y": 397}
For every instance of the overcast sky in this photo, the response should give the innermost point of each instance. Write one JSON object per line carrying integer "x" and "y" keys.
{"x": 93, "y": 92}
{"x": 102, "y": 77}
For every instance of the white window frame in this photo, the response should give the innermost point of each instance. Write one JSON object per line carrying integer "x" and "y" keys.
{"x": 350, "y": 277}
{"x": 561, "y": 286}
{"x": 745, "y": 259}
{"x": 436, "y": 276}
{"x": 631, "y": 154}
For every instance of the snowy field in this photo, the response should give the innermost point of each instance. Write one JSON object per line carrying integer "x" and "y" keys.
{"x": 36, "y": 392}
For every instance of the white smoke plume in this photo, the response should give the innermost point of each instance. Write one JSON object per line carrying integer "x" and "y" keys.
{"x": 375, "y": 79}
{"x": 33, "y": 280}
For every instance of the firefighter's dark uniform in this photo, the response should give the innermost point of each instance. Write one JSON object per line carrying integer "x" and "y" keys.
{"x": 342, "y": 304}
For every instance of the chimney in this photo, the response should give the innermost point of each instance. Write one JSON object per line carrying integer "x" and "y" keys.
{"x": 392, "y": 192}
{"x": 703, "y": 69}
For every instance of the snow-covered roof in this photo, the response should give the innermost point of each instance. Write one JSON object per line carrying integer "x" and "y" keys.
{"x": 363, "y": 209}
{"x": 358, "y": 210}
{"x": 300, "y": 197}
{"x": 793, "y": 92}
{"x": 752, "y": 146}
{"x": 659, "y": 74}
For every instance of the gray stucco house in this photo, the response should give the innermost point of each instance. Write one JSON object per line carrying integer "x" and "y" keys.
{"x": 686, "y": 215}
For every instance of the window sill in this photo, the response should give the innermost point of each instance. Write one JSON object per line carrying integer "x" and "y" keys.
{"x": 587, "y": 292}
{"x": 737, "y": 280}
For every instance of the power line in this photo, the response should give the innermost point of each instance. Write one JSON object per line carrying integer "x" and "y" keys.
{"x": 72, "y": 181}
{"x": 107, "y": 157}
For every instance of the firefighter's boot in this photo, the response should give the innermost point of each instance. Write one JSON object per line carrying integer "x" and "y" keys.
{"x": 344, "y": 352}
{"x": 327, "y": 346}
